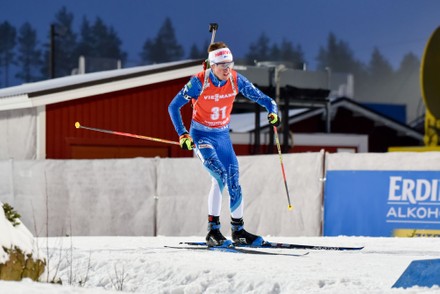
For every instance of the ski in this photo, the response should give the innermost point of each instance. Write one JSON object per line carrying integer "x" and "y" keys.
{"x": 233, "y": 249}
{"x": 276, "y": 245}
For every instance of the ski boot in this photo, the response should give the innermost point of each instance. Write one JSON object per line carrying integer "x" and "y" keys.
{"x": 241, "y": 237}
{"x": 215, "y": 237}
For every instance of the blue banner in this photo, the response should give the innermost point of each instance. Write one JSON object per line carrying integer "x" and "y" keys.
{"x": 381, "y": 203}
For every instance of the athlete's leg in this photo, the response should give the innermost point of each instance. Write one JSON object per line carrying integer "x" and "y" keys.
{"x": 226, "y": 154}
{"x": 234, "y": 188}
{"x": 214, "y": 199}
{"x": 208, "y": 155}
{"x": 205, "y": 150}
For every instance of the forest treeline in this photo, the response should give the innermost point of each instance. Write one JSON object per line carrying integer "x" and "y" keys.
{"x": 21, "y": 48}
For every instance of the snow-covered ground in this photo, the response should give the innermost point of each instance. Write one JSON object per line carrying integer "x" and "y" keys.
{"x": 95, "y": 265}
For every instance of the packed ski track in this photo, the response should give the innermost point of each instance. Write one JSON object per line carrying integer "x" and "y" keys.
{"x": 144, "y": 265}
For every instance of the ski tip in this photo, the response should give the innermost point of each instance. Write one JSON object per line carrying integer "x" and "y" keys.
{"x": 290, "y": 207}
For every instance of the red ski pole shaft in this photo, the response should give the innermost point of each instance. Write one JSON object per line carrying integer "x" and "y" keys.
{"x": 282, "y": 166}
{"x": 79, "y": 126}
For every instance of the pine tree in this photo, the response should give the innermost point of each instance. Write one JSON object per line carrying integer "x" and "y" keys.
{"x": 407, "y": 77}
{"x": 164, "y": 47}
{"x": 380, "y": 76}
{"x": 196, "y": 53}
{"x": 11, "y": 215}
{"x": 338, "y": 57}
{"x": 65, "y": 55}
{"x": 379, "y": 66}
{"x": 275, "y": 53}
{"x": 107, "y": 41}
{"x": 286, "y": 53}
{"x": 87, "y": 39}
{"x": 100, "y": 45}
{"x": 29, "y": 56}
{"x": 292, "y": 54}
{"x": 8, "y": 40}
{"x": 259, "y": 51}
{"x": 409, "y": 63}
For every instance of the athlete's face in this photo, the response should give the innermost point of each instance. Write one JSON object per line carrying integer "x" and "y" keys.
{"x": 222, "y": 70}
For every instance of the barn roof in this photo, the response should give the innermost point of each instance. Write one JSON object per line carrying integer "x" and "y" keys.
{"x": 85, "y": 85}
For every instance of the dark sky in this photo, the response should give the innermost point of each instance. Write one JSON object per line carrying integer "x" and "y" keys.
{"x": 396, "y": 27}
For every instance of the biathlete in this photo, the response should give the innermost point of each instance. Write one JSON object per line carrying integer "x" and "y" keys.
{"x": 212, "y": 93}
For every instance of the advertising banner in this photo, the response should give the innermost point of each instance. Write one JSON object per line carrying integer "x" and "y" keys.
{"x": 382, "y": 203}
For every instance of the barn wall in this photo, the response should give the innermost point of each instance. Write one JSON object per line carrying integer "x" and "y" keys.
{"x": 142, "y": 111}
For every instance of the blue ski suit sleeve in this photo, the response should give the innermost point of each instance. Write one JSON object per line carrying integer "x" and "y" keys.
{"x": 248, "y": 90}
{"x": 190, "y": 91}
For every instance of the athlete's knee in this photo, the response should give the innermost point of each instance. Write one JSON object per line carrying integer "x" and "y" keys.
{"x": 234, "y": 177}
{"x": 216, "y": 169}
{"x": 234, "y": 184}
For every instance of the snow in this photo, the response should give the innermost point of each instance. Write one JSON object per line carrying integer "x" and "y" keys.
{"x": 95, "y": 265}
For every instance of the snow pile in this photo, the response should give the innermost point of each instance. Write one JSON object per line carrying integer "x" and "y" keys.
{"x": 19, "y": 254}
{"x": 17, "y": 236}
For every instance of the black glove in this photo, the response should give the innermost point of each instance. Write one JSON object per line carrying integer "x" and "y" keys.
{"x": 274, "y": 119}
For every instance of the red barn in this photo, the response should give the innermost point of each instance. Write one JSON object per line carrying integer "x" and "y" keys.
{"x": 133, "y": 100}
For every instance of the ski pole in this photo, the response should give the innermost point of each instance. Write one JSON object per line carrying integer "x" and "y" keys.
{"x": 282, "y": 166}
{"x": 79, "y": 126}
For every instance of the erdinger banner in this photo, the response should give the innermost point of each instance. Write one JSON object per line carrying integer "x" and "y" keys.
{"x": 382, "y": 203}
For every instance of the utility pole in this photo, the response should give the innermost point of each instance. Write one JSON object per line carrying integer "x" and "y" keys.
{"x": 52, "y": 52}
